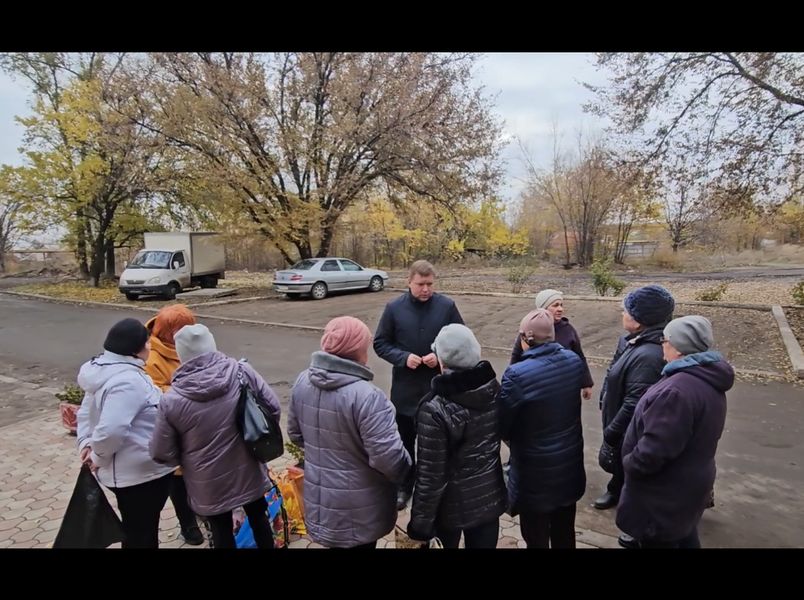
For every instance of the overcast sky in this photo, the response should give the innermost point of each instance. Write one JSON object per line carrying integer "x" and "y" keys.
{"x": 533, "y": 90}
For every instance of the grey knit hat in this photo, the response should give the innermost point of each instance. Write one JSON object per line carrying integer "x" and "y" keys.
{"x": 457, "y": 347}
{"x": 546, "y": 297}
{"x": 192, "y": 341}
{"x": 690, "y": 334}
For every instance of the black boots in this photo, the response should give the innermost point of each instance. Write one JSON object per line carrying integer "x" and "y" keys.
{"x": 192, "y": 535}
{"x": 607, "y": 500}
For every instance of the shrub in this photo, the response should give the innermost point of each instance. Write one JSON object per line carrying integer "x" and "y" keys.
{"x": 603, "y": 278}
{"x": 712, "y": 294}
{"x": 72, "y": 394}
{"x": 518, "y": 276}
{"x": 798, "y": 292}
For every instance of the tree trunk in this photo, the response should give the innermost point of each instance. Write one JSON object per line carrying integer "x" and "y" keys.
{"x": 110, "y": 259}
{"x": 589, "y": 250}
{"x": 327, "y": 234}
{"x": 98, "y": 256}
{"x": 566, "y": 247}
{"x": 81, "y": 244}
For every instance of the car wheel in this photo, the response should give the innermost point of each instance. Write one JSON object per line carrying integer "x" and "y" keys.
{"x": 376, "y": 284}
{"x": 171, "y": 290}
{"x": 131, "y": 296}
{"x": 319, "y": 291}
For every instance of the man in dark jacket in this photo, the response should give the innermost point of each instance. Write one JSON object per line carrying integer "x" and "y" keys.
{"x": 669, "y": 449}
{"x": 407, "y": 328}
{"x": 459, "y": 482}
{"x": 637, "y": 365}
{"x": 540, "y": 416}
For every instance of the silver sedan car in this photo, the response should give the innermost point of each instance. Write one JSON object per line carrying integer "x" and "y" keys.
{"x": 320, "y": 276}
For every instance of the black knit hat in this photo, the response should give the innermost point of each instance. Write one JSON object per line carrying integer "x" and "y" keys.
{"x": 650, "y": 305}
{"x": 126, "y": 337}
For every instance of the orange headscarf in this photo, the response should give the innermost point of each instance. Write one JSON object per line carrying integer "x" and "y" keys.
{"x": 169, "y": 320}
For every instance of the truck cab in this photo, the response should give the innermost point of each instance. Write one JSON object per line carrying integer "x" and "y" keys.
{"x": 163, "y": 272}
{"x": 187, "y": 260}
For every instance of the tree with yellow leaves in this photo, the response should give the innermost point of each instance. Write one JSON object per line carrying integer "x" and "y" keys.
{"x": 299, "y": 137}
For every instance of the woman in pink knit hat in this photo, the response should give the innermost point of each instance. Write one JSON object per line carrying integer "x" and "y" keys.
{"x": 353, "y": 455}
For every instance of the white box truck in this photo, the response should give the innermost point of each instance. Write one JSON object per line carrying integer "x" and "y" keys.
{"x": 172, "y": 262}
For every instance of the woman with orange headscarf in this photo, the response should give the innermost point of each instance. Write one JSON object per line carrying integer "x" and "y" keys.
{"x": 162, "y": 362}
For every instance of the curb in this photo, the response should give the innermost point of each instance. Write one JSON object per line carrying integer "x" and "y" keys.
{"x": 263, "y": 323}
{"x": 232, "y": 301}
{"x": 78, "y": 302}
{"x": 794, "y": 352}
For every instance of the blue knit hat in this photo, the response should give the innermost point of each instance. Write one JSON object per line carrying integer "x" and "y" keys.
{"x": 650, "y": 305}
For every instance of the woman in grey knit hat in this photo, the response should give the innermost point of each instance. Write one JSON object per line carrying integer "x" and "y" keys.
{"x": 670, "y": 445}
{"x": 566, "y": 335}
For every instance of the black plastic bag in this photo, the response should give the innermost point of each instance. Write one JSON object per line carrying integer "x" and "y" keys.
{"x": 90, "y": 521}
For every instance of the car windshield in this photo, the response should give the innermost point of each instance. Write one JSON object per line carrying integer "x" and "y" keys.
{"x": 151, "y": 259}
{"x": 304, "y": 265}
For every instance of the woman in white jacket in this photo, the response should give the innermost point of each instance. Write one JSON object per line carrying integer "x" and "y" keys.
{"x": 115, "y": 424}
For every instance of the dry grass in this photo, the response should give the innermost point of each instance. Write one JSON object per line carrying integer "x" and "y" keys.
{"x": 246, "y": 279}
{"x": 753, "y": 291}
{"x": 74, "y": 290}
{"x": 248, "y": 284}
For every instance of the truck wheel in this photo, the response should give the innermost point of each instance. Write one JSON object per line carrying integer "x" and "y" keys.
{"x": 131, "y": 296}
{"x": 376, "y": 284}
{"x": 171, "y": 290}
{"x": 209, "y": 281}
{"x": 319, "y": 290}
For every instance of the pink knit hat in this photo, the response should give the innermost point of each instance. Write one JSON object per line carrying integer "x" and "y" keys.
{"x": 537, "y": 327}
{"x": 346, "y": 337}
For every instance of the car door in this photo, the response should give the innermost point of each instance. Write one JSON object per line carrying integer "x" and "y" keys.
{"x": 355, "y": 276}
{"x": 332, "y": 274}
{"x": 180, "y": 268}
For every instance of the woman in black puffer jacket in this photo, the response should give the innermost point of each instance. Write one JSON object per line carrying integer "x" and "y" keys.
{"x": 637, "y": 364}
{"x": 459, "y": 483}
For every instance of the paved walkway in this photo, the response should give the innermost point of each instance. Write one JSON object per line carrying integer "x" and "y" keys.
{"x": 39, "y": 465}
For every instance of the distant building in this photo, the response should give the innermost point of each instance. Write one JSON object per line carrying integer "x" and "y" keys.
{"x": 640, "y": 248}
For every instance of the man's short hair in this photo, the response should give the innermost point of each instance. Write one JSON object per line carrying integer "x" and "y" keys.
{"x": 421, "y": 267}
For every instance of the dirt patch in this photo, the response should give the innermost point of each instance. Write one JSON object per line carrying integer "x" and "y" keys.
{"x": 795, "y": 317}
{"x": 748, "y": 338}
{"x": 755, "y": 287}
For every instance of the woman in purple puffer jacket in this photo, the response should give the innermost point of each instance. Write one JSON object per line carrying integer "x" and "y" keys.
{"x": 196, "y": 428}
{"x": 670, "y": 445}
